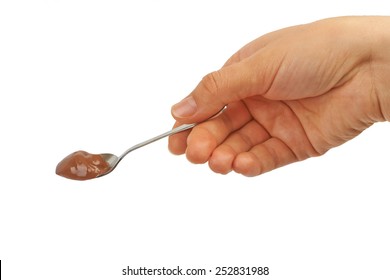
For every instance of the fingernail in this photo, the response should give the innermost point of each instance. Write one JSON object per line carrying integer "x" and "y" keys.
{"x": 185, "y": 108}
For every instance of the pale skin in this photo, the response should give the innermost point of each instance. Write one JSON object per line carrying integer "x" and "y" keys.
{"x": 291, "y": 94}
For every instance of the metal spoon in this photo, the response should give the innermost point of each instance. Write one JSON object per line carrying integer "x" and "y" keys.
{"x": 113, "y": 160}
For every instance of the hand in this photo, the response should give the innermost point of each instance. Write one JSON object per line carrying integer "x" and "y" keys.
{"x": 290, "y": 95}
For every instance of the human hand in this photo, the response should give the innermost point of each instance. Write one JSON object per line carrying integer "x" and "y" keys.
{"x": 290, "y": 95}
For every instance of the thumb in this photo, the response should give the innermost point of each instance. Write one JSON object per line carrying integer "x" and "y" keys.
{"x": 219, "y": 88}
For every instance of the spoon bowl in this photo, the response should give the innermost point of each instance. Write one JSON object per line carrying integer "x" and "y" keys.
{"x": 112, "y": 161}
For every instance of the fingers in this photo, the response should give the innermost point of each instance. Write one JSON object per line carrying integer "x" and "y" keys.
{"x": 227, "y": 85}
{"x": 205, "y": 137}
{"x": 242, "y": 140}
{"x": 177, "y": 144}
{"x": 264, "y": 157}
{"x": 251, "y": 151}
{"x": 251, "y": 154}
{"x": 222, "y": 84}
{"x": 275, "y": 137}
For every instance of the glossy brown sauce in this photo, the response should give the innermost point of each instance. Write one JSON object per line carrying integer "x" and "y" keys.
{"x": 81, "y": 165}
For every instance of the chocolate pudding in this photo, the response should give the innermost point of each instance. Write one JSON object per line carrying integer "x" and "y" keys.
{"x": 81, "y": 165}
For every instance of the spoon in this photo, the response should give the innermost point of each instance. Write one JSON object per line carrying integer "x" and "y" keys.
{"x": 81, "y": 165}
{"x": 114, "y": 160}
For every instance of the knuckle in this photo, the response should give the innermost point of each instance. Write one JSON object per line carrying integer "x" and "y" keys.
{"x": 212, "y": 83}
{"x": 234, "y": 59}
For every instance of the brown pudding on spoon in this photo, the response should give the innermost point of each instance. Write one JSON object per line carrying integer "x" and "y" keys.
{"x": 81, "y": 165}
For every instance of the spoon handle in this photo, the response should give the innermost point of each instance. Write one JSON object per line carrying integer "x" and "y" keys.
{"x": 178, "y": 129}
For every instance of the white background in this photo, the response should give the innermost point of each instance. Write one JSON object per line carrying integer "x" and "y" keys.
{"x": 102, "y": 76}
